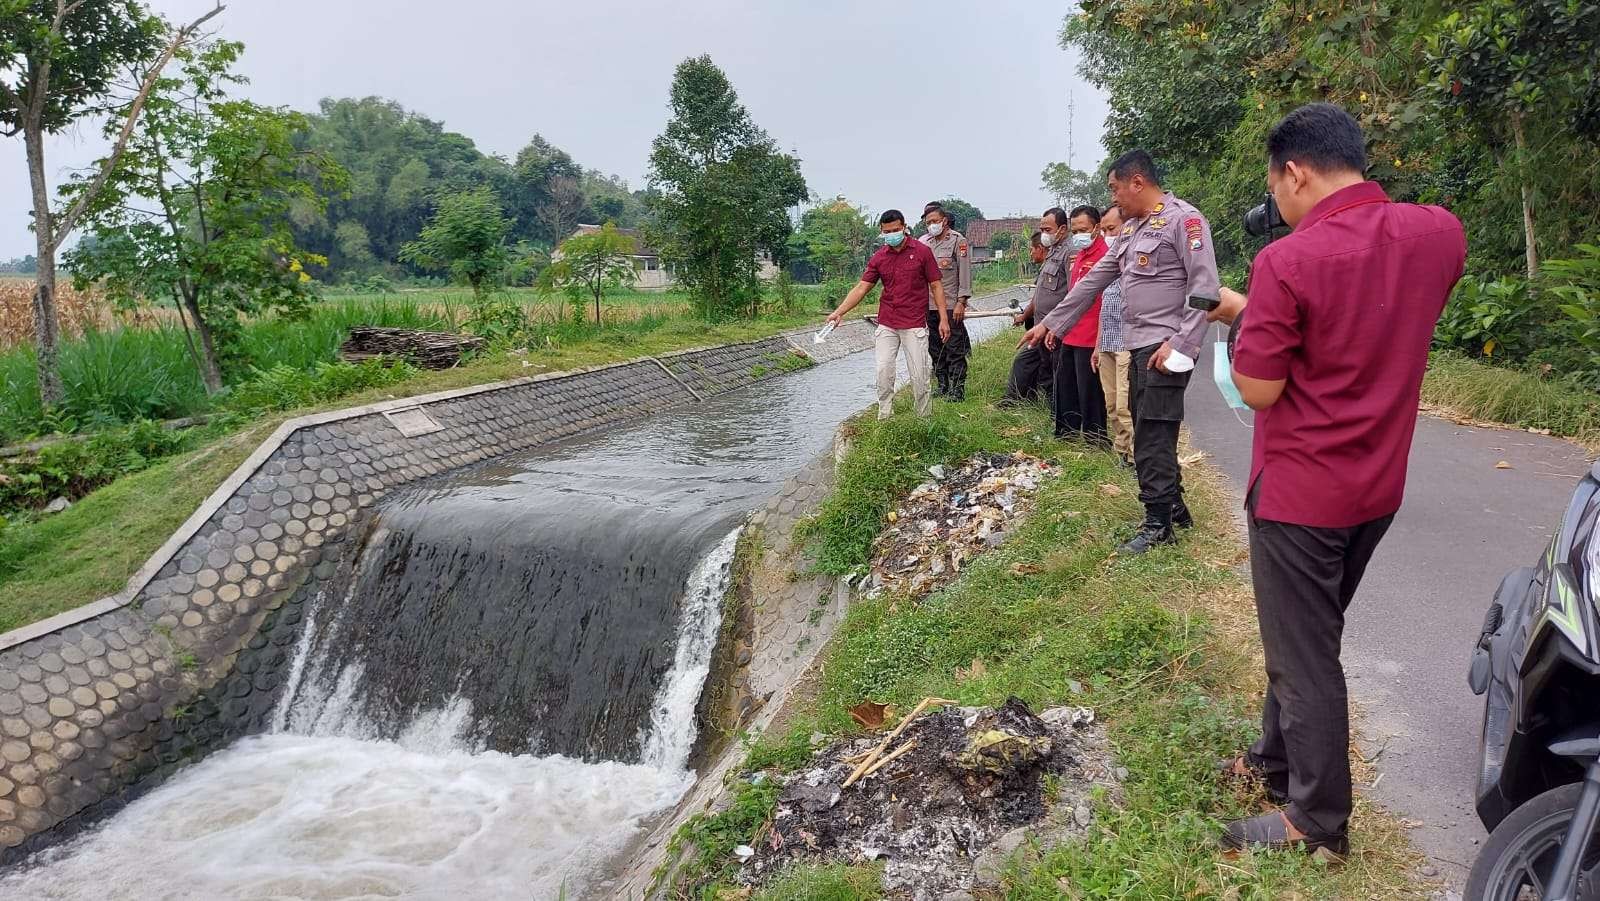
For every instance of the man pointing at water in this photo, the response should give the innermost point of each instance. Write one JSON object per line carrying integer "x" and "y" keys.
{"x": 1164, "y": 256}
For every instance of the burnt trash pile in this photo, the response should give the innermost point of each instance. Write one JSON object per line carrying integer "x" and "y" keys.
{"x": 930, "y": 799}
{"x": 950, "y": 519}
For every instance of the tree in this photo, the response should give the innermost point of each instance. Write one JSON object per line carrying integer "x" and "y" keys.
{"x": 834, "y": 239}
{"x": 589, "y": 265}
{"x": 960, "y": 213}
{"x": 1071, "y": 187}
{"x": 197, "y": 208}
{"x": 559, "y": 214}
{"x": 60, "y": 64}
{"x": 720, "y": 190}
{"x": 467, "y": 238}
{"x": 1511, "y": 68}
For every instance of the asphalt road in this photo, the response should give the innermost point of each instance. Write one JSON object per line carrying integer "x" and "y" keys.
{"x": 1409, "y": 633}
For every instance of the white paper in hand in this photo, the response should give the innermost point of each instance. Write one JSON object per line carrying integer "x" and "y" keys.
{"x": 1177, "y": 362}
{"x": 822, "y": 336}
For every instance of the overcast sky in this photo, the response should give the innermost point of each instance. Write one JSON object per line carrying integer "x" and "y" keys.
{"x": 889, "y": 104}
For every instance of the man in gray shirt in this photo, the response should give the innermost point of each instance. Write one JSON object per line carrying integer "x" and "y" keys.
{"x": 1164, "y": 256}
{"x": 1034, "y": 362}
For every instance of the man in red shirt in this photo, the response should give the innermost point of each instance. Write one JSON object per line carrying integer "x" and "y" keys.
{"x": 908, "y": 271}
{"x": 1331, "y": 352}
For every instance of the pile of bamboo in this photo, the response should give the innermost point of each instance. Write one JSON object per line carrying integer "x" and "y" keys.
{"x": 429, "y": 350}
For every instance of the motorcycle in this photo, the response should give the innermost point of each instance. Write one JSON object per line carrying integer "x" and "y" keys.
{"x": 1537, "y": 664}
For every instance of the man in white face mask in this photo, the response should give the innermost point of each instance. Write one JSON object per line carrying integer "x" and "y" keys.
{"x": 950, "y": 252}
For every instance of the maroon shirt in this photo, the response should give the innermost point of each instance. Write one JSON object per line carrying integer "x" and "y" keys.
{"x": 1344, "y": 310}
{"x": 906, "y": 275}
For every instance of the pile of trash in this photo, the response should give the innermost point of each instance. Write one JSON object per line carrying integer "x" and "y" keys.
{"x": 937, "y": 796}
{"x": 950, "y": 519}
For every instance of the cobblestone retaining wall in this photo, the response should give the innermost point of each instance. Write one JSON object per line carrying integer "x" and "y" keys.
{"x": 101, "y": 703}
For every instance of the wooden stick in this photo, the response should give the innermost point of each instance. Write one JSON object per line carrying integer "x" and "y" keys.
{"x": 861, "y": 768}
{"x": 895, "y": 756}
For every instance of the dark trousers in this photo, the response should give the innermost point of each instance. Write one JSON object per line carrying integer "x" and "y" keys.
{"x": 1076, "y": 397}
{"x": 1155, "y": 399}
{"x": 1305, "y": 578}
{"x": 949, "y": 357}
{"x": 1031, "y": 373}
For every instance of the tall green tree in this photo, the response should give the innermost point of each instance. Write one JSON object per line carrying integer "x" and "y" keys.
{"x": 467, "y": 238}
{"x": 59, "y": 63}
{"x": 197, "y": 208}
{"x": 1074, "y": 187}
{"x": 720, "y": 190}
{"x": 1521, "y": 75}
{"x": 587, "y": 266}
{"x": 834, "y": 240}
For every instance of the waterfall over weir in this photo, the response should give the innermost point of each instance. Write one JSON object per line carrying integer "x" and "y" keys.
{"x": 498, "y": 688}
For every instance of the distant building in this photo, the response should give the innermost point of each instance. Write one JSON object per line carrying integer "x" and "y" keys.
{"x": 980, "y": 232}
{"x": 650, "y": 273}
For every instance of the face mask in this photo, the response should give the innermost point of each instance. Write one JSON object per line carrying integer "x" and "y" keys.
{"x": 893, "y": 239}
{"x": 1047, "y": 239}
{"x": 1111, "y": 244}
{"x": 1222, "y": 374}
{"x": 1081, "y": 241}
{"x": 936, "y": 229}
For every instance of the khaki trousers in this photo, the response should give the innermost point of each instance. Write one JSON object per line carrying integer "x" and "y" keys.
{"x": 1114, "y": 380}
{"x": 913, "y": 343}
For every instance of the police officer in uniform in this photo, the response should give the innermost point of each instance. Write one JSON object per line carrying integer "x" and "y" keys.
{"x": 955, "y": 269}
{"x": 1164, "y": 257}
{"x": 1034, "y": 364}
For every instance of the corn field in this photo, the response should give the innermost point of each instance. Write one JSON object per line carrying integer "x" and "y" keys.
{"x": 77, "y": 312}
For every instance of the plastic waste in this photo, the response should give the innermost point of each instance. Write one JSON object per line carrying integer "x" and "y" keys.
{"x": 822, "y": 336}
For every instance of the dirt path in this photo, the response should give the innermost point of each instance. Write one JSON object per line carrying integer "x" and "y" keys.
{"x": 1408, "y": 634}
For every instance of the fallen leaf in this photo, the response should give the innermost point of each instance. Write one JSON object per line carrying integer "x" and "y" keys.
{"x": 1502, "y": 465}
{"x": 894, "y": 516}
{"x": 1540, "y": 431}
{"x": 1110, "y": 490}
{"x": 977, "y": 668}
{"x": 1191, "y": 459}
{"x": 1024, "y": 569}
{"x": 868, "y": 714}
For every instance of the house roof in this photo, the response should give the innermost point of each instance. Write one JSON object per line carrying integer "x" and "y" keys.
{"x": 980, "y": 231}
{"x": 634, "y": 236}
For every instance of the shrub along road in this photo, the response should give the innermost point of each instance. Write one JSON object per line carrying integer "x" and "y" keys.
{"x": 1464, "y": 524}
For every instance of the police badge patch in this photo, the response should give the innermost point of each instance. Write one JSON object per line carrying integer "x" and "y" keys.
{"x": 1193, "y": 228}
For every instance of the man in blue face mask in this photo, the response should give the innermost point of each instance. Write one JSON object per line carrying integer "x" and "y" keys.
{"x": 909, "y": 273}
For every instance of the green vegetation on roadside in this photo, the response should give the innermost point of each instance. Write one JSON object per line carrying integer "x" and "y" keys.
{"x": 1160, "y": 646}
{"x": 1525, "y": 399}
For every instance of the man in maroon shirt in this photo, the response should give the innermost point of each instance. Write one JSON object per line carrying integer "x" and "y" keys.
{"x": 908, "y": 271}
{"x": 1330, "y": 352}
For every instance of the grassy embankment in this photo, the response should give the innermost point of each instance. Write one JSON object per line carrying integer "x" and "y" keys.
{"x": 1479, "y": 391}
{"x": 52, "y": 563}
{"x": 1164, "y": 647}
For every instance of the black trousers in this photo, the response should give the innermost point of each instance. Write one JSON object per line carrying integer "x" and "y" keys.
{"x": 1155, "y": 399}
{"x": 1078, "y": 400}
{"x": 1305, "y": 578}
{"x": 1031, "y": 373}
{"x": 949, "y": 357}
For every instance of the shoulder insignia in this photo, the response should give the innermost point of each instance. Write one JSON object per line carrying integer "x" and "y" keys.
{"x": 962, "y": 248}
{"x": 1193, "y": 229}
{"x": 1128, "y": 229}
{"x": 1158, "y": 223}
{"x": 1160, "y": 205}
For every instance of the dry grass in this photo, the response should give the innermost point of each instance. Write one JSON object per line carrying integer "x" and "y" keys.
{"x": 77, "y": 311}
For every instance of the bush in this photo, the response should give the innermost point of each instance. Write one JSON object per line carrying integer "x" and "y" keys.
{"x": 72, "y": 469}
{"x": 286, "y": 388}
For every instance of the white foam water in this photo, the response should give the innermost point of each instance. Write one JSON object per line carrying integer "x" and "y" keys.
{"x": 320, "y": 810}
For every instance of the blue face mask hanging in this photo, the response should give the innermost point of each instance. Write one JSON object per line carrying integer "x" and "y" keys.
{"x": 1222, "y": 374}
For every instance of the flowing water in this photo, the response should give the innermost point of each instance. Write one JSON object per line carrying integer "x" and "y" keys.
{"x": 503, "y": 689}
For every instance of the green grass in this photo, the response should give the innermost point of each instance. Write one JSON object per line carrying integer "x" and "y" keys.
{"x": 1478, "y": 390}
{"x": 823, "y": 883}
{"x": 1160, "y": 645}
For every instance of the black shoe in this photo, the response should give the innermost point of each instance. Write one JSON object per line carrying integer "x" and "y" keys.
{"x": 1181, "y": 517}
{"x": 1270, "y": 832}
{"x": 957, "y": 394}
{"x": 1156, "y": 530}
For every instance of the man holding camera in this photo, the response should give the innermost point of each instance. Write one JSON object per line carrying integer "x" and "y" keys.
{"x": 1330, "y": 351}
{"x": 1164, "y": 257}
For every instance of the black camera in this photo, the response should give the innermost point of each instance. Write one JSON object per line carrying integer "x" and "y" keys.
{"x": 1264, "y": 217}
